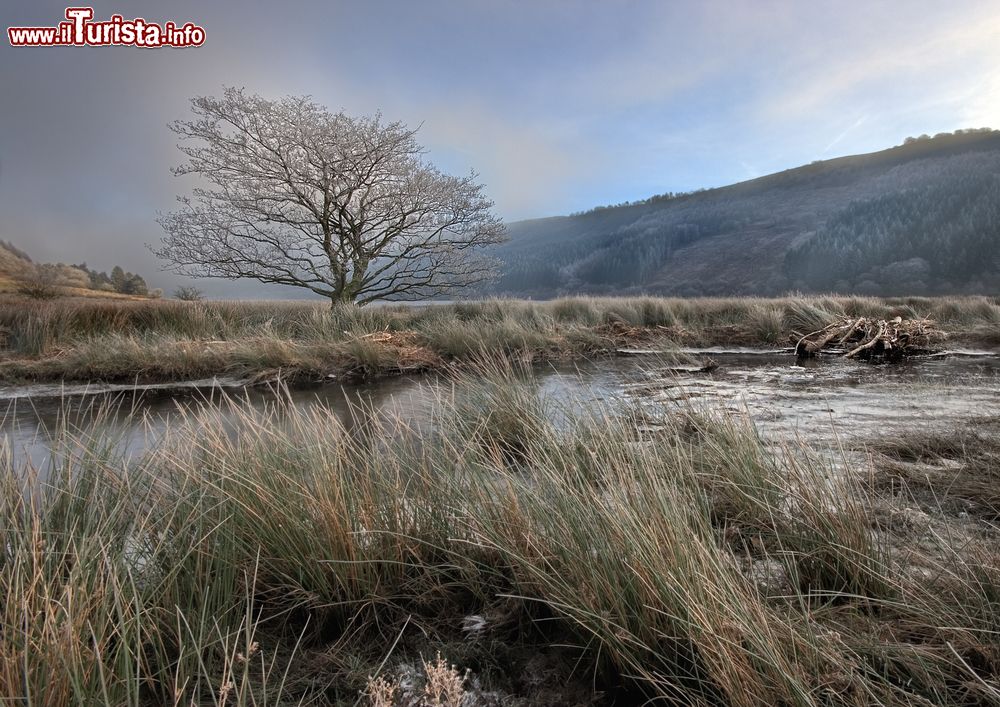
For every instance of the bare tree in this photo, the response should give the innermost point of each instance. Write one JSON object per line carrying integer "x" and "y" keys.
{"x": 346, "y": 207}
{"x": 186, "y": 293}
{"x": 40, "y": 282}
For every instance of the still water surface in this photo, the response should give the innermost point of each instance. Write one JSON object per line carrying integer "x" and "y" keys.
{"x": 824, "y": 401}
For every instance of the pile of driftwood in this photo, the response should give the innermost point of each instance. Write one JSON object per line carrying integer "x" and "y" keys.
{"x": 875, "y": 340}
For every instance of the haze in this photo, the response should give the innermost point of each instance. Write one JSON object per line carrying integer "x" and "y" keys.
{"x": 559, "y": 106}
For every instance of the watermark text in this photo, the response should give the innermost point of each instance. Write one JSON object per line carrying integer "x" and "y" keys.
{"x": 80, "y": 30}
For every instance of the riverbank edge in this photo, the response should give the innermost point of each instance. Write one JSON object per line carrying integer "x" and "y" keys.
{"x": 260, "y": 342}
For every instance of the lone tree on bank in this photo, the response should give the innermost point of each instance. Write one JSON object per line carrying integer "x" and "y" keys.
{"x": 345, "y": 207}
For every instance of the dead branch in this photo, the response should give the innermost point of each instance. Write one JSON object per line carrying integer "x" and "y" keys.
{"x": 875, "y": 340}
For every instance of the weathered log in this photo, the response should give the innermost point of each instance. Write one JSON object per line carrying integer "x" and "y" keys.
{"x": 807, "y": 347}
{"x": 850, "y": 332}
{"x": 879, "y": 338}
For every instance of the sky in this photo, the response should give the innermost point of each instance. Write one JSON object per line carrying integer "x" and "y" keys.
{"x": 558, "y": 105}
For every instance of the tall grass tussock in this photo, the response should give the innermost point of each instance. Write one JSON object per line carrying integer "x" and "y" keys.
{"x": 275, "y": 556}
{"x": 165, "y": 340}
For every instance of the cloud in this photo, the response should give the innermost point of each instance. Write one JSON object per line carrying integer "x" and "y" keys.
{"x": 847, "y": 131}
{"x": 526, "y": 165}
{"x": 925, "y": 55}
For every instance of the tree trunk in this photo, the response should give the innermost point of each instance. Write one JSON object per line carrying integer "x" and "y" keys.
{"x": 342, "y": 298}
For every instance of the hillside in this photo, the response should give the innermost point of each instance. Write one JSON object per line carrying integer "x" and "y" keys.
{"x": 920, "y": 218}
{"x": 19, "y": 273}
{"x": 13, "y": 262}
{"x": 16, "y": 267}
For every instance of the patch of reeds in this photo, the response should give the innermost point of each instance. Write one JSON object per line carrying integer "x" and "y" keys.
{"x": 273, "y": 556}
{"x": 157, "y": 340}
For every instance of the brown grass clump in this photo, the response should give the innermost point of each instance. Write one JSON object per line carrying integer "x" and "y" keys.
{"x": 78, "y": 339}
{"x": 957, "y": 471}
{"x": 269, "y": 556}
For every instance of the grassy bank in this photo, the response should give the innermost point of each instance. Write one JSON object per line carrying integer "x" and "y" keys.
{"x": 157, "y": 341}
{"x": 281, "y": 559}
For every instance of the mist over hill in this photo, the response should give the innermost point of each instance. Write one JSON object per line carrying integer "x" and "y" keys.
{"x": 920, "y": 218}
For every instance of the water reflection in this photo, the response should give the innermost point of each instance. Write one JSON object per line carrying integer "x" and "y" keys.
{"x": 132, "y": 421}
{"x": 820, "y": 399}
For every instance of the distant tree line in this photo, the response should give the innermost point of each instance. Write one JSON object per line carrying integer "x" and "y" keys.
{"x": 655, "y": 199}
{"x": 965, "y": 131}
{"x": 41, "y": 280}
{"x": 119, "y": 280}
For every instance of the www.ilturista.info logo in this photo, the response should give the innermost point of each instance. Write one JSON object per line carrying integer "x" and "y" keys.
{"x": 80, "y": 30}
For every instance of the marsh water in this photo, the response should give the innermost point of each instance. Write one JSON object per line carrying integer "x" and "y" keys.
{"x": 824, "y": 401}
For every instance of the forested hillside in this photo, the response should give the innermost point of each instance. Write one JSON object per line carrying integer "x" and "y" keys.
{"x": 923, "y": 217}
